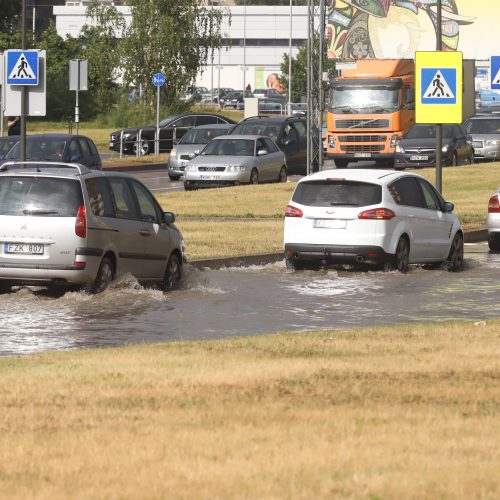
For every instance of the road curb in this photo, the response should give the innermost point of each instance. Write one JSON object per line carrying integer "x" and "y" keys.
{"x": 476, "y": 235}
{"x": 134, "y": 167}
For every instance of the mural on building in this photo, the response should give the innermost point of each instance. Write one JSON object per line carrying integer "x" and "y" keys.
{"x": 358, "y": 29}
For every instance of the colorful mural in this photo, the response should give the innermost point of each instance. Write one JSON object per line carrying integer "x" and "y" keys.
{"x": 358, "y": 29}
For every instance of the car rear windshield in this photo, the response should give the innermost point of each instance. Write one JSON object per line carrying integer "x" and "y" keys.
{"x": 483, "y": 126}
{"x": 327, "y": 193}
{"x": 39, "y": 149}
{"x": 202, "y": 135}
{"x": 39, "y": 196}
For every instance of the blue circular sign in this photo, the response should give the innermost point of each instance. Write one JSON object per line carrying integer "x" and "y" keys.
{"x": 158, "y": 79}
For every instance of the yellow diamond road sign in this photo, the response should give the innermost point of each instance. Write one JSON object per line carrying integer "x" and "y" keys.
{"x": 439, "y": 86}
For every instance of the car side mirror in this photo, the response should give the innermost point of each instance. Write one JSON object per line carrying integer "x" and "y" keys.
{"x": 261, "y": 152}
{"x": 448, "y": 207}
{"x": 168, "y": 217}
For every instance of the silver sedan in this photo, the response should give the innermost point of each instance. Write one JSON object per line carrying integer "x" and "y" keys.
{"x": 234, "y": 160}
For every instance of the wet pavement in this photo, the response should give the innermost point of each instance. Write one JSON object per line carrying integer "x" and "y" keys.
{"x": 247, "y": 301}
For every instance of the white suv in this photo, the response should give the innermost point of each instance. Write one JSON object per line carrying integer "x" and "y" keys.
{"x": 63, "y": 224}
{"x": 371, "y": 217}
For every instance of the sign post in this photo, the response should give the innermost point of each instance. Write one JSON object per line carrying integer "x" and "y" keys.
{"x": 78, "y": 70}
{"x": 495, "y": 73}
{"x": 158, "y": 80}
{"x": 439, "y": 87}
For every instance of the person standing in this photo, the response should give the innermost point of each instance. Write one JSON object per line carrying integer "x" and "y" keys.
{"x": 14, "y": 125}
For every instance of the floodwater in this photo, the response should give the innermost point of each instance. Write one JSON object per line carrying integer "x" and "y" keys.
{"x": 246, "y": 301}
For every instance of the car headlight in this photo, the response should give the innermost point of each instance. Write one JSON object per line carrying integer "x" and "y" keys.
{"x": 191, "y": 168}
{"x": 235, "y": 168}
{"x": 444, "y": 149}
{"x": 128, "y": 136}
{"x": 173, "y": 152}
{"x": 399, "y": 149}
{"x": 493, "y": 142}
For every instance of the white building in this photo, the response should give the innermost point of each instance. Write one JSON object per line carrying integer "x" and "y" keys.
{"x": 258, "y": 37}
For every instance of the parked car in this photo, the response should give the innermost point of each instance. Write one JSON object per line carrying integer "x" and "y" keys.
{"x": 6, "y": 144}
{"x": 290, "y": 134}
{"x": 190, "y": 145}
{"x": 493, "y": 221}
{"x": 58, "y": 147}
{"x": 66, "y": 225}
{"x": 171, "y": 128}
{"x": 194, "y": 94}
{"x": 270, "y": 92}
{"x": 370, "y": 217}
{"x": 232, "y": 99}
{"x": 215, "y": 95}
{"x": 236, "y": 159}
{"x": 485, "y": 133}
{"x": 418, "y": 147}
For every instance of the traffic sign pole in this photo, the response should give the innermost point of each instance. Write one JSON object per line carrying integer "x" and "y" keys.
{"x": 439, "y": 127}
{"x": 23, "y": 88}
{"x": 158, "y": 80}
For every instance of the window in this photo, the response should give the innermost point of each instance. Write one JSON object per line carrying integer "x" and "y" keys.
{"x": 432, "y": 199}
{"x": 300, "y": 127}
{"x": 124, "y": 202}
{"x": 101, "y": 202}
{"x": 405, "y": 191}
{"x": 93, "y": 149}
{"x": 85, "y": 147}
{"x": 205, "y": 120}
{"x": 271, "y": 147}
{"x": 74, "y": 151}
{"x": 147, "y": 206}
{"x": 185, "y": 121}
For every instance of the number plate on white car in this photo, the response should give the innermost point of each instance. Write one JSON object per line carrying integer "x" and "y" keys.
{"x": 330, "y": 223}
{"x": 23, "y": 248}
{"x": 418, "y": 157}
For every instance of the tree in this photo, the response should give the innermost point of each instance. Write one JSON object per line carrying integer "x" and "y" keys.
{"x": 299, "y": 73}
{"x": 10, "y": 20}
{"x": 170, "y": 37}
{"x": 270, "y": 2}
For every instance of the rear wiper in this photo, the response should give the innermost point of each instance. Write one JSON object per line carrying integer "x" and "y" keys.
{"x": 28, "y": 211}
{"x": 342, "y": 204}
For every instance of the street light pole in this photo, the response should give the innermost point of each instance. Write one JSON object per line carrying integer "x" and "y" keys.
{"x": 23, "y": 88}
{"x": 439, "y": 127}
{"x": 290, "y": 64}
{"x": 244, "y": 45}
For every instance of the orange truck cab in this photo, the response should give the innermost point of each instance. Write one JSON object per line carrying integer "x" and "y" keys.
{"x": 369, "y": 107}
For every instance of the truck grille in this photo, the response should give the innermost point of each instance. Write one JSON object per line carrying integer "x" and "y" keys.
{"x": 364, "y": 148}
{"x": 367, "y": 123}
{"x": 362, "y": 138}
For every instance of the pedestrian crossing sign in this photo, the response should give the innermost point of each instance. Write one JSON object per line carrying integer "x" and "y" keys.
{"x": 439, "y": 87}
{"x": 495, "y": 72}
{"x": 22, "y": 67}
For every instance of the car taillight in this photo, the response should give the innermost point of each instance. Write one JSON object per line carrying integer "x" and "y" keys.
{"x": 81, "y": 222}
{"x": 293, "y": 212}
{"x": 494, "y": 204}
{"x": 377, "y": 214}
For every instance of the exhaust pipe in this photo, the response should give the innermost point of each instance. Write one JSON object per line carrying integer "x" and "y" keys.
{"x": 360, "y": 258}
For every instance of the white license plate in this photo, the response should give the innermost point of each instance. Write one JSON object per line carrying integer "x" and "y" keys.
{"x": 210, "y": 177}
{"x": 418, "y": 157}
{"x": 330, "y": 223}
{"x": 362, "y": 155}
{"x": 24, "y": 248}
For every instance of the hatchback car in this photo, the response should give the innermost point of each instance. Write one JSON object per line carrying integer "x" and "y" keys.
{"x": 64, "y": 225}
{"x": 485, "y": 133}
{"x": 58, "y": 147}
{"x": 190, "y": 145}
{"x": 232, "y": 99}
{"x": 370, "y": 217}
{"x": 290, "y": 134}
{"x": 493, "y": 221}
{"x": 418, "y": 147}
{"x": 233, "y": 160}
{"x": 172, "y": 129}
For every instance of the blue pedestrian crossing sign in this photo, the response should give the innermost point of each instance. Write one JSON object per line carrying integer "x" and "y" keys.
{"x": 158, "y": 79}
{"x": 22, "y": 67}
{"x": 495, "y": 72}
{"x": 438, "y": 87}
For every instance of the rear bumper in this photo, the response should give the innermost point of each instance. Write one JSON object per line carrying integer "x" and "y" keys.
{"x": 337, "y": 254}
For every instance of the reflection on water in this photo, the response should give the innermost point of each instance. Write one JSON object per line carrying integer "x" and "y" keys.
{"x": 243, "y": 301}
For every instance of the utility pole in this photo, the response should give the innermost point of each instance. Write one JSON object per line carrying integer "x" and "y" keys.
{"x": 23, "y": 88}
{"x": 439, "y": 127}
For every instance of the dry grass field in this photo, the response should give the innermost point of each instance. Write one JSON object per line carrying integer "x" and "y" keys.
{"x": 401, "y": 412}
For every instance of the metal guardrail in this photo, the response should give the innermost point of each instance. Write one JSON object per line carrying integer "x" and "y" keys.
{"x": 155, "y": 142}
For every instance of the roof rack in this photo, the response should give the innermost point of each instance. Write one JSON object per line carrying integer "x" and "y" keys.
{"x": 286, "y": 118}
{"x": 39, "y": 166}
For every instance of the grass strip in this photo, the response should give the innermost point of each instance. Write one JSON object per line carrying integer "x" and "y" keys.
{"x": 410, "y": 411}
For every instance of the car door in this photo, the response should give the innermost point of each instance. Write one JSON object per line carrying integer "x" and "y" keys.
{"x": 263, "y": 160}
{"x": 86, "y": 158}
{"x": 460, "y": 140}
{"x": 155, "y": 233}
{"x": 275, "y": 158}
{"x": 288, "y": 141}
{"x": 73, "y": 151}
{"x": 300, "y": 127}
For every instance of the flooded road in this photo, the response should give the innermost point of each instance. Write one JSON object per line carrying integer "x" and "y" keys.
{"x": 246, "y": 301}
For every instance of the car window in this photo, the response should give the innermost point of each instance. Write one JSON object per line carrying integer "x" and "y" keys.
{"x": 205, "y": 120}
{"x": 271, "y": 147}
{"x": 74, "y": 151}
{"x": 84, "y": 147}
{"x": 101, "y": 202}
{"x": 326, "y": 193}
{"x": 147, "y": 205}
{"x": 459, "y": 131}
{"x": 93, "y": 149}
{"x": 185, "y": 121}
{"x": 405, "y": 191}
{"x": 41, "y": 196}
{"x": 124, "y": 201}
{"x": 301, "y": 129}
{"x": 289, "y": 134}
{"x": 486, "y": 126}
{"x": 433, "y": 200}
{"x": 261, "y": 146}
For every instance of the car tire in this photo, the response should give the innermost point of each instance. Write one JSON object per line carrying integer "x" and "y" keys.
{"x": 454, "y": 159}
{"x": 456, "y": 256}
{"x": 254, "y": 177}
{"x": 341, "y": 163}
{"x": 282, "y": 176}
{"x": 144, "y": 148}
{"x": 174, "y": 177}
{"x": 471, "y": 158}
{"x": 494, "y": 242}
{"x": 189, "y": 187}
{"x": 172, "y": 274}
{"x": 402, "y": 255}
{"x": 104, "y": 276}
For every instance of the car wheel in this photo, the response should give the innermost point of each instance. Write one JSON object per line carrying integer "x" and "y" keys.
{"x": 104, "y": 276}
{"x": 282, "y": 177}
{"x": 189, "y": 187}
{"x": 254, "y": 177}
{"x": 402, "y": 257}
{"x": 494, "y": 242}
{"x": 172, "y": 274}
{"x": 341, "y": 163}
{"x": 144, "y": 148}
{"x": 471, "y": 158}
{"x": 454, "y": 159}
{"x": 174, "y": 177}
{"x": 456, "y": 255}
